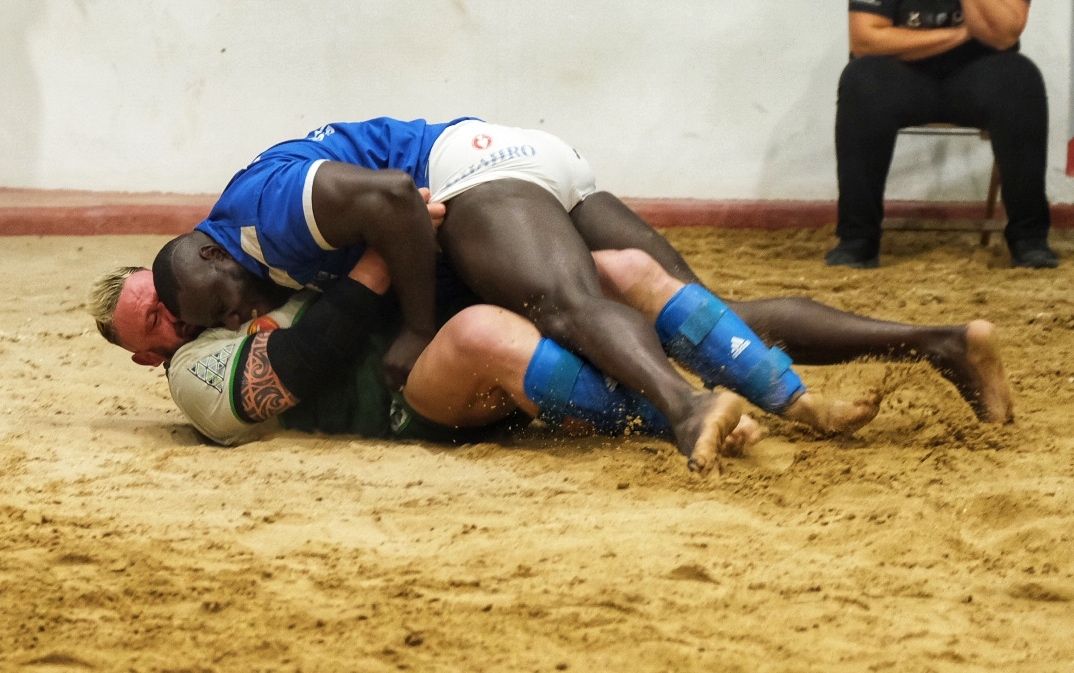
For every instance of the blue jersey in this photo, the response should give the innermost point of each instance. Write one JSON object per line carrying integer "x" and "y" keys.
{"x": 264, "y": 217}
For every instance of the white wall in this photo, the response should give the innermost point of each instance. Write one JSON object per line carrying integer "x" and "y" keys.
{"x": 698, "y": 98}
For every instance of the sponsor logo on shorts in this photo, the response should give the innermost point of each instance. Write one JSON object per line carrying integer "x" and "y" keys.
{"x": 492, "y": 160}
{"x": 481, "y": 142}
{"x": 398, "y": 417}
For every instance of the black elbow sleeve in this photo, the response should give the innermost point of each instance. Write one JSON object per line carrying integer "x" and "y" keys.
{"x": 326, "y": 338}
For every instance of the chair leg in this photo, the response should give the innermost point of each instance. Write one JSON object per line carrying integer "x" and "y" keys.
{"x": 993, "y": 192}
{"x": 990, "y": 204}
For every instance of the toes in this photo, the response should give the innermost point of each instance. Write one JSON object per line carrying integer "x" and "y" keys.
{"x": 717, "y": 418}
{"x": 747, "y": 433}
{"x": 703, "y": 465}
{"x": 734, "y": 445}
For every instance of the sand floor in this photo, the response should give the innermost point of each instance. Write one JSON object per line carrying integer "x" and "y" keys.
{"x": 927, "y": 542}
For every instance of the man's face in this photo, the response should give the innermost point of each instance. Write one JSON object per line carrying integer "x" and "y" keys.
{"x": 144, "y": 326}
{"x": 216, "y": 291}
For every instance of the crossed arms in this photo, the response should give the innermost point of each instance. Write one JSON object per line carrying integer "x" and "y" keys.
{"x": 996, "y": 23}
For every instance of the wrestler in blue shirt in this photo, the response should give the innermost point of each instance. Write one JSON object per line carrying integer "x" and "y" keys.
{"x": 302, "y": 212}
{"x": 265, "y": 216}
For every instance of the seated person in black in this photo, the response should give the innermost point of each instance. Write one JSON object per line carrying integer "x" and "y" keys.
{"x": 924, "y": 61}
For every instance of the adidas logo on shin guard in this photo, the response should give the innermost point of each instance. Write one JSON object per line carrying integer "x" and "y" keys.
{"x": 738, "y": 344}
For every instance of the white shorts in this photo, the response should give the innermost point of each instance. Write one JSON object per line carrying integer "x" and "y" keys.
{"x": 473, "y": 152}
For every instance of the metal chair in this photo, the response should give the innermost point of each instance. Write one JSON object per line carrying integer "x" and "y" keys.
{"x": 986, "y": 226}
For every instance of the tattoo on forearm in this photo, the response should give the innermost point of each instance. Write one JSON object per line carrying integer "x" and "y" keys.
{"x": 263, "y": 395}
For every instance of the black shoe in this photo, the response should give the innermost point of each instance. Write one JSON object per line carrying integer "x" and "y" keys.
{"x": 1033, "y": 255}
{"x": 856, "y": 253}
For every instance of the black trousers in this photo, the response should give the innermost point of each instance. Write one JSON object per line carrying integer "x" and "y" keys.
{"x": 1002, "y": 93}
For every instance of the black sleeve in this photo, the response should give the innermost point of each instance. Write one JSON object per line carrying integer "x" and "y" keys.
{"x": 879, "y": 7}
{"x": 328, "y": 336}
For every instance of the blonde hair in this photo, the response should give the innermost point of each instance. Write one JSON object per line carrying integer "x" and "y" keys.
{"x": 104, "y": 296}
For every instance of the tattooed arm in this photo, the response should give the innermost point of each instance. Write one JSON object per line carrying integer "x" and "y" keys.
{"x": 281, "y": 367}
{"x": 261, "y": 392}
{"x": 231, "y": 386}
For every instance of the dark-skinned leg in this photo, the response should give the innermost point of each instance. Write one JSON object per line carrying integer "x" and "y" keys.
{"x": 606, "y": 223}
{"x": 697, "y": 330}
{"x": 816, "y": 334}
{"x": 513, "y": 244}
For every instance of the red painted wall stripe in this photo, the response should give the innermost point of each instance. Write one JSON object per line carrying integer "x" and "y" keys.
{"x": 1070, "y": 158}
{"x": 41, "y": 213}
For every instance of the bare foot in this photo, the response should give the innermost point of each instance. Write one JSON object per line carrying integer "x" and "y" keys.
{"x": 702, "y": 435}
{"x": 977, "y": 372}
{"x": 747, "y": 433}
{"x": 833, "y": 416}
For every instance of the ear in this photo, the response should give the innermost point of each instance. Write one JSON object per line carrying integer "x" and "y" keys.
{"x": 166, "y": 313}
{"x": 212, "y": 251}
{"x": 148, "y": 358}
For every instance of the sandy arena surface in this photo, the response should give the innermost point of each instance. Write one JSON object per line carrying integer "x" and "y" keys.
{"x": 927, "y": 542}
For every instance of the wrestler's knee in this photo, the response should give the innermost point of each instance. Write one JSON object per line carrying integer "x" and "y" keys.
{"x": 627, "y": 267}
{"x": 475, "y": 331}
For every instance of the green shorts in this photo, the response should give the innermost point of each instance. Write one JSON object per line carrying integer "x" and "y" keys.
{"x": 359, "y": 402}
{"x": 408, "y": 425}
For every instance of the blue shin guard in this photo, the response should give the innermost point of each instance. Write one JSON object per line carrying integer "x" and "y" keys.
{"x": 563, "y": 386}
{"x": 706, "y": 337}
